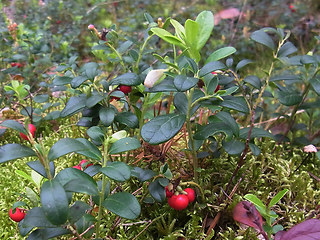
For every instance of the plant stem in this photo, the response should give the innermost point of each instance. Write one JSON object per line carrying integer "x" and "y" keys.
{"x": 143, "y": 111}
{"x": 136, "y": 68}
{"x": 103, "y": 188}
{"x": 190, "y": 134}
{"x": 118, "y": 55}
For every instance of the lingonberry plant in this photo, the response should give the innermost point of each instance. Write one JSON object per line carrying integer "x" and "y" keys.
{"x": 182, "y": 98}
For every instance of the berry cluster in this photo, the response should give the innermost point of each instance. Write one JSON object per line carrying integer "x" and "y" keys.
{"x": 180, "y": 200}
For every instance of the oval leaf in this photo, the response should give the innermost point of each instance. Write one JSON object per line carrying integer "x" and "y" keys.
{"x": 124, "y": 145}
{"x": 157, "y": 191}
{"x": 54, "y": 202}
{"x": 262, "y": 37}
{"x": 221, "y": 53}
{"x": 65, "y": 146}
{"x": 184, "y": 83}
{"x": 123, "y": 204}
{"x": 14, "y": 151}
{"x": 117, "y": 171}
{"x": 162, "y": 128}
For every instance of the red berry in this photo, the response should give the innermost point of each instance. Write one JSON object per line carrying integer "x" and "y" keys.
{"x": 114, "y": 98}
{"x": 32, "y": 130}
{"x": 13, "y": 64}
{"x": 18, "y": 215}
{"x": 168, "y": 192}
{"x": 85, "y": 163}
{"x": 77, "y": 167}
{"x": 178, "y": 202}
{"x": 19, "y": 65}
{"x": 58, "y": 21}
{"x": 190, "y": 194}
{"x": 125, "y": 89}
{"x": 217, "y": 88}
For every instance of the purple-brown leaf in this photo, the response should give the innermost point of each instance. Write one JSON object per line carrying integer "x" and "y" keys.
{"x": 245, "y": 212}
{"x": 307, "y": 230}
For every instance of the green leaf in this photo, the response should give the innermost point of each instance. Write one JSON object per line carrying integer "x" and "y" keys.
{"x": 234, "y": 147}
{"x": 205, "y": 21}
{"x": 157, "y": 191}
{"x": 36, "y": 217}
{"x": 91, "y": 70}
{"x": 262, "y": 37}
{"x": 124, "y": 145}
{"x": 230, "y": 121}
{"x": 65, "y": 146}
{"x": 184, "y": 83}
{"x": 211, "y": 67}
{"x": 39, "y": 168}
{"x": 289, "y": 98}
{"x": 277, "y": 198}
{"x": 90, "y": 151}
{"x": 211, "y": 129}
{"x": 221, "y": 53}
{"x": 54, "y": 202}
{"x": 191, "y": 30}
{"x": 77, "y": 81}
{"x": 14, "y": 151}
{"x": 127, "y": 118}
{"x": 123, "y": 204}
{"x": 256, "y": 201}
{"x": 73, "y": 106}
{"x": 180, "y": 31}
{"x": 168, "y": 37}
{"x": 84, "y": 223}
{"x": 14, "y": 125}
{"x": 166, "y": 85}
{"x": 253, "y": 81}
{"x": 94, "y": 100}
{"x": 117, "y": 171}
{"x": 315, "y": 83}
{"x": 142, "y": 174}
{"x": 77, "y": 210}
{"x": 254, "y": 149}
{"x": 107, "y": 115}
{"x": 235, "y": 103}
{"x": 287, "y": 49}
{"x": 96, "y": 134}
{"x": 162, "y": 128}
{"x": 180, "y": 101}
{"x": 129, "y": 79}
{"x": 243, "y": 63}
{"x": 61, "y": 80}
{"x": 255, "y": 133}
{"x": 41, "y": 98}
{"x": 48, "y": 233}
{"x": 286, "y": 78}
{"x": 124, "y": 46}
{"x": 74, "y": 180}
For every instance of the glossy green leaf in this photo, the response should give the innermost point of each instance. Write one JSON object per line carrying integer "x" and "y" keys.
{"x": 286, "y": 78}
{"x": 96, "y": 134}
{"x": 41, "y": 98}
{"x": 255, "y": 133}
{"x": 253, "y": 81}
{"x": 289, "y": 98}
{"x": 180, "y": 101}
{"x": 91, "y": 70}
{"x": 262, "y": 37}
{"x": 168, "y": 37}
{"x": 220, "y": 54}
{"x": 233, "y": 147}
{"x": 48, "y": 233}
{"x": 162, "y": 128}
{"x": 180, "y": 31}
{"x": 211, "y": 67}
{"x": 90, "y": 151}
{"x": 205, "y": 20}
{"x": 107, "y": 115}
{"x": 123, "y": 204}
{"x": 191, "y": 31}
{"x": 315, "y": 83}
{"x": 65, "y": 146}
{"x": 166, "y": 85}
{"x": 117, "y": 171}
{"x": 61, "y": 80}
{"x": 73, "y": 106}
{"x": 54, "y": 202}
{"x": 124, "y": 145}
{"x": 243, "y": 63}
{"x": 93, "y": 100}
{"x": 230, "y": 121}
{"x": 157, "y": 191}
{"x": 129, "y": 79}
{"x": 14, "y": 151}
{"x": 142, "y": 174}
{"x": 235, "y": 103}
{"x": 77, "y": 210}
{"x": 287, "y": 49}
{"x": 212, "y": 129}
{"x": 36, "y": 217}
{"x": 84, "y": 223}
{"x": 127, "y": 118}
{"x": 14, "y": 125}
{"x": 74, "y": 180}
{"x": 39, "y": 168}
{"x": 255, "y": 200}
{"x": 277, "y": 197}
{"x": 77, "y": 81}
{"x": 184, "y": 83}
